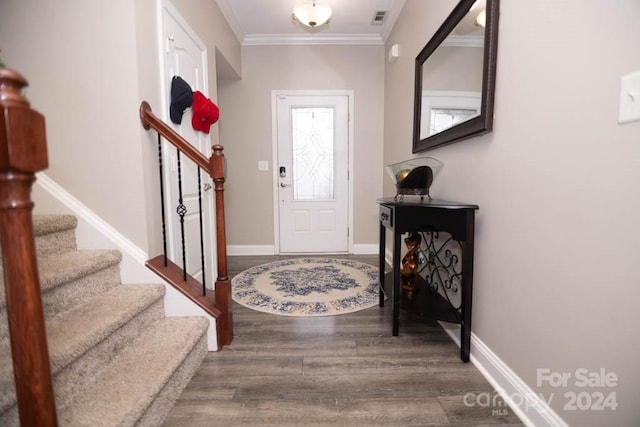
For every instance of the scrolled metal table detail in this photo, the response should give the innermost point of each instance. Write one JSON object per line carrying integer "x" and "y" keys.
{"x": 440, "y": 265}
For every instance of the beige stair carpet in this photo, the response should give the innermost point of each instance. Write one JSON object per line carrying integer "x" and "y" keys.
{"x": 116, "y": 360}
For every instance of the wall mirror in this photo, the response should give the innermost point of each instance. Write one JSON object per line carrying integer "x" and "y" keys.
{"x": 455, "y": 77}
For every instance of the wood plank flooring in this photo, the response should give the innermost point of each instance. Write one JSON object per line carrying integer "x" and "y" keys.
{"x": 342, "y": 370}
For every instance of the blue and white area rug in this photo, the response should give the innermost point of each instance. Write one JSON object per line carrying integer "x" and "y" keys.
{"x": 308, "y": 287}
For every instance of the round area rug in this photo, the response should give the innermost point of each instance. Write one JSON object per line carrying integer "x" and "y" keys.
{"x": 308, "y": 287}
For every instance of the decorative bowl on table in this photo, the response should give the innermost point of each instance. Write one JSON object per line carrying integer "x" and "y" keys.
{"x": 414, "y": 176}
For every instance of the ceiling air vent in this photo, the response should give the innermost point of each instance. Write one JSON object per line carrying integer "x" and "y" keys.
{"x": 378, "y": 17}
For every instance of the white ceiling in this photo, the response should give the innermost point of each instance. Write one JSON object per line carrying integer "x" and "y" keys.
{"x": 259, "y": 22}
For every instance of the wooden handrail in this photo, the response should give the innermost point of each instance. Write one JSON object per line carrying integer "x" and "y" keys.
{"x": 215, "y": 167}
{"x": 23, "y": 151}
{"x": 150, "y": 120}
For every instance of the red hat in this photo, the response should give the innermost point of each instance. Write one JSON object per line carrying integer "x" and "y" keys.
{"x": 205, "y": 112}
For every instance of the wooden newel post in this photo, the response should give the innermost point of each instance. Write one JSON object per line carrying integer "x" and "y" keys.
{"x": 23, "y": 152}
{"x": 223, "y": 286}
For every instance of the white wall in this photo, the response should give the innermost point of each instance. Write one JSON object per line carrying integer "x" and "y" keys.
{"x": 89, "y": 65}
{"x": 246, "y": 131}
{"x": 80, "y": 60}
{"x": 557, "y": 271}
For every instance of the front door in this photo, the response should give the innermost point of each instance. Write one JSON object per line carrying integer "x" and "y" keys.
{"x": 186, "y": 56}
{"x": 312, "y": 172}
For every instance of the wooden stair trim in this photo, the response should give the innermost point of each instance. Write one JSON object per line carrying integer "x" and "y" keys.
{"x": 192, "y": 289}
{"x": 150, "y": 120}
{"x": 23, "y": 151}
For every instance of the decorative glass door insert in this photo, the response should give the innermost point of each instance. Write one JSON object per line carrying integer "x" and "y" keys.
{"x": 313, "y": 153}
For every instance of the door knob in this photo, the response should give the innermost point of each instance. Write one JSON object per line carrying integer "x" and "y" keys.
{"x": 206, "y": 186}
{"x": 282, "y": 184}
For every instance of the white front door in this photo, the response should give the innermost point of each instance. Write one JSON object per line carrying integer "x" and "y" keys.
{"x": 312, "y": 171}
{"x": 188, "y": 188}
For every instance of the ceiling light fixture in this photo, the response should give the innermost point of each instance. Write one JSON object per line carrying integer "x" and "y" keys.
{"x": 311, "y": 14}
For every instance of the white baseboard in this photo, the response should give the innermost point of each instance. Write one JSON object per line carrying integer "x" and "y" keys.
{"x": 251, "y": 250}
{"x": 529, "y": 406}
{"x": 358, "y": 249}
{"x": 365, "y": 248}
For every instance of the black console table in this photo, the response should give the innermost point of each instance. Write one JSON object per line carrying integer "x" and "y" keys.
{"x": 447, "y": 229}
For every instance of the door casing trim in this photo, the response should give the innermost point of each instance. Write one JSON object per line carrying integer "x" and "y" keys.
{"x": 274, "y": 159}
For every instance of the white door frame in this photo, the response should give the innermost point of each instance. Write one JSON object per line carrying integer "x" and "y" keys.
{"x": 210, "y": 238}
{"x": 274, "y": 160}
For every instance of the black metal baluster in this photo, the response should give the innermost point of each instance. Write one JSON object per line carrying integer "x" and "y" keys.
{"x": 181, "y": 210}
{"x": 204, "y": 286}
{"x": 164, "y": 223}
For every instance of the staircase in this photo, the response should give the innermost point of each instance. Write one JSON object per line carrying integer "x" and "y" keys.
{"x": 116, "y": 360}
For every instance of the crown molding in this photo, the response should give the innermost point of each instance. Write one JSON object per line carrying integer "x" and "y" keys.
{"x": 311, "y": 39}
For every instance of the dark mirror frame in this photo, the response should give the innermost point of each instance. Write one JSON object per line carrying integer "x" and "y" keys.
{"x": 482, "y": 123}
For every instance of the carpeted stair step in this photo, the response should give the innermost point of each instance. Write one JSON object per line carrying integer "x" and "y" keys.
{"x": 54, "y": 234}
{"x": 84, "y": 339}
{"x": 60, "y": 273}
{"x": 68, "y": 279}
{"x": 115, "y": 358}
{"x": 144, "y": 380}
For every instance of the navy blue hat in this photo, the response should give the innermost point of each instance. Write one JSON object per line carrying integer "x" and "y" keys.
{"x": 181, "y": 99}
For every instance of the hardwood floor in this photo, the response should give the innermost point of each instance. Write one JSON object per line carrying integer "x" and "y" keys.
{"x": 342, "y": 370}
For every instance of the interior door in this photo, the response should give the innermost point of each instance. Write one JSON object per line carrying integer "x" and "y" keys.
{"x": 313, "y": 171}
{"x": 186, "y": 56}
